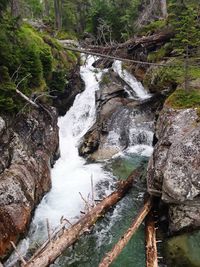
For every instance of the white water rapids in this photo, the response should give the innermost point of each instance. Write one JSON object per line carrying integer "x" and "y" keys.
{"x": 71, "y": 174}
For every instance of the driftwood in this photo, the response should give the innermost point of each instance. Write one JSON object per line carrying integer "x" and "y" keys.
{"x": 66, "y": 237}
{"x": 116, "y": 250}
{"x": 151, "y": 247}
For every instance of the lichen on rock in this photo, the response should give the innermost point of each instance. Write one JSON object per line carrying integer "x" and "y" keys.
{"x": 28, "y": 146}
{"x": 174, "y": 168}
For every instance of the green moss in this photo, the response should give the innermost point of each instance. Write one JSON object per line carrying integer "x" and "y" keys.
{"x": 35, "y": 59}
{"x": 47, "y": 62}
{"x": 182, "y": 99}
{"x": 63, "y": 35}
{"x": 105, "y": 79}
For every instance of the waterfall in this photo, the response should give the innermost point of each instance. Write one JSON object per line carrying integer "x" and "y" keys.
{"x": 71, "y": 174}
{"x": 137, "y": 90}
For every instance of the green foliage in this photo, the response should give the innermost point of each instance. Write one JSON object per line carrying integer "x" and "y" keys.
{"x": 58, "y": 81}
{"x": 158, "y": 54}
{"x": 32, "y": 8}
{"x": 153, "y": 27}
{"x": 182, "y": 99}
{"x": 47, "y": 61}
{"x": 118, "y": 17}
{"x": 7, "y": 91}
{"x": 35, "y": 60}
{"x": 3, "y": 5}
{"x": 184, "y": 19}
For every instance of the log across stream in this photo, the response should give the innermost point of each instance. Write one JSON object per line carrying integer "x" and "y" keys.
{"x": 71, "y": 175}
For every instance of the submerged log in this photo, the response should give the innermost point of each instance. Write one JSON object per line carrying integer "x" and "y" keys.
{"x": 116, "y": 250}
{"x": 66, "y": 237}
{"x": 151, "y": 247}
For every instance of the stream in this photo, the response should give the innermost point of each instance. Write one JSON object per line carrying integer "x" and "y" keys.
{"x": 72, "y": 175}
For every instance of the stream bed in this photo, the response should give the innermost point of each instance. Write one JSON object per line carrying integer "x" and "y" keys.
{"x": 72, "y": 176}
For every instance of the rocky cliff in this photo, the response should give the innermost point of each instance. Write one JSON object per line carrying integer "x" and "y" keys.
{"x": 174, "y": 168}
{"x": 28, "y": 146}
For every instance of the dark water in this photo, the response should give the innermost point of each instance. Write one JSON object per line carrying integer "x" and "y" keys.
{"x": 91, "y": 248}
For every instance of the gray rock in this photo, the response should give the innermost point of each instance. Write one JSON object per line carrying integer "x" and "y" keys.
{"x": 27, "y": 148}
{"x": 174, "y": 168}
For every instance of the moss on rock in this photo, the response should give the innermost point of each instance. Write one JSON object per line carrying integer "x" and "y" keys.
{"x": 34, "y": 59}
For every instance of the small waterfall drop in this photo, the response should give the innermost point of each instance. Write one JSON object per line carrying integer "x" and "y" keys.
{"x": 137, "y": 89}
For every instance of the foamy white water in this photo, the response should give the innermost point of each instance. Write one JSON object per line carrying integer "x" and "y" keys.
{"x": 71, "y": 174}
{"x": 136, "y": 86}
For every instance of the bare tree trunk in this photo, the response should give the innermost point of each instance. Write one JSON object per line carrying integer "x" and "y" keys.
{"x": 117, "y": 249}
{"x": 46, "y": 8}
{"x": 15, "y": 8}
{"x": 163, "y": 4}
{"x": 66, "y": 237}
{"x": 58, "y": 14}
{"x": 151, "y": 247}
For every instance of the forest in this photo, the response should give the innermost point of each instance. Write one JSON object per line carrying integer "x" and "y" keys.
{"x": 99, "y": 132}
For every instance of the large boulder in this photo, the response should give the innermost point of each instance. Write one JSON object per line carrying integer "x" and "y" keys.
{"x": 28, "y": 148}
{"x": 174, "y": 168}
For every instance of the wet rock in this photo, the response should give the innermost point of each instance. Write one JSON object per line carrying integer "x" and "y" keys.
{"x": 103, "y": 63}
{"x": 117, "y": 119}
{"x": 183, "y": 250}
{"x": 174, "y": 168}
{"x": 28, "y": 148}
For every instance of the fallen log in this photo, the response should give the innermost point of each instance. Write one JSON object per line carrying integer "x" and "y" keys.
{"x": 110, "y": 57}
{"x": 116, "y": 250}
{"x": 151, "y": 247}
{"x": 66, "y": 237}
{"x": 133, "y": 43}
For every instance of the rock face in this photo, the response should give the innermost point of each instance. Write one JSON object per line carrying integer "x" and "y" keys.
{"x": 110, "y": 99}
{"x": 28, "y": 147}
{"x": 120, "y": 122}
{"x": 174, "y": 168}
{"x": 64, "y": 100}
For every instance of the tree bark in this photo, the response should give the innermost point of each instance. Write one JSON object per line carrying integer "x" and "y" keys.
{"x": 151, "y": 247}
{"x": 58, "y": 14}
{"x": 46, "y": 8}
{"x": 66, "y": 237}
{"x": 114, "y": 253}
{"x": 163, "y": 4}
{"x": 15, "y": 8}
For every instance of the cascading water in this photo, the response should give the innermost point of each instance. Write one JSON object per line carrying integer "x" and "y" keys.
{"x": 137, "y": 90}
{"x": 72, "y": 175}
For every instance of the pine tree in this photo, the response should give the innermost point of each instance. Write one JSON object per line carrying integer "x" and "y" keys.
{"x": 185, "y": 21}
